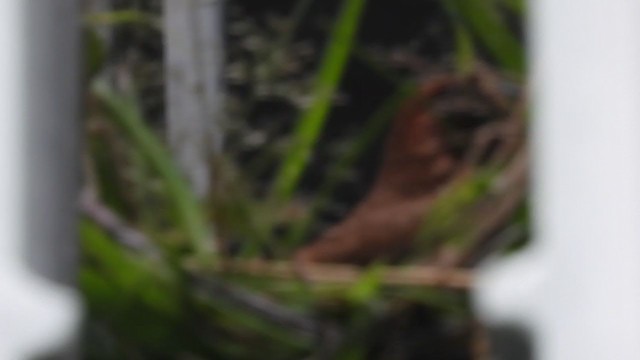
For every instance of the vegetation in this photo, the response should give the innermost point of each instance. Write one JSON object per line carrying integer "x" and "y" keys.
{"x": 312, "y": 87}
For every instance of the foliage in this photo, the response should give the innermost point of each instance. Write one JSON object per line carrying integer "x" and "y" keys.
{"x": 178, "y": 302}
{"x": 310, "y": 124}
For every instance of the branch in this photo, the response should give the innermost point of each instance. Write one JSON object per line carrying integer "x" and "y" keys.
{"x": 347, "y": 274}
{"x": 93, "y": 209}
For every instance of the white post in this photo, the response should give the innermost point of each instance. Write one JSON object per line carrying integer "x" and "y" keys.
{"x": 578, "y": 288}
{"x": 37, "y": 317}
{"x": 194, "y": 55}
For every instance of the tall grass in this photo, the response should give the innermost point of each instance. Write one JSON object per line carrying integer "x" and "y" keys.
{"x": 188, "y": 213}
{"x": 311, "y": 122}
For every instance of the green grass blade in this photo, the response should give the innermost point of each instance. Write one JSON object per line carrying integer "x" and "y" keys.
{"x": 484, "y": 21}
{"x": 187, "y": 211}
{"x": 517, "y": 6}
{"x": 312, "y": 120}
{"x": 465, "y": 56}
{"x": 122, "y": 17}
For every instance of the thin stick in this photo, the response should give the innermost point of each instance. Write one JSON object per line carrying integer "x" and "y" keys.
{"x": 347, "y": 274}
{"x": 125, "y": 235}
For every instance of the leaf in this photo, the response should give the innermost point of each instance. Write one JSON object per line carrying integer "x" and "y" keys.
{"x": 111, "y": 268}
{"x": 446, "y": 219}
{"x": 312, "y": 120}
{"x": 517, "y": 6}
{"x": 368, "y": 286}
{"x": 465, "y": 52}
{"x": 95, "y": 53}
{"x": 186, "y": 209}
{"x": 122, "y": 17}
{"x": 483, "y": 20}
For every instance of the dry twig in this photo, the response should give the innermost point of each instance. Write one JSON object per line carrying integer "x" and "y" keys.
{"x": 348, "y": 274}
{"x": 96, "y": 211}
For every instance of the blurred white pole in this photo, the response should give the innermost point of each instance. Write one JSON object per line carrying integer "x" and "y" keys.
{"x": 194, "y": 56}
{"x": 37, "y": 317}
{"x": 578, "y": 288}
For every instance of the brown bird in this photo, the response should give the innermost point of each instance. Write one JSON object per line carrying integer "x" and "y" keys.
{"x": 425, "y": 149}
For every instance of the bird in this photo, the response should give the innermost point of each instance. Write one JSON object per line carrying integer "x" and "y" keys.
{"x": 425, "y": 150}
